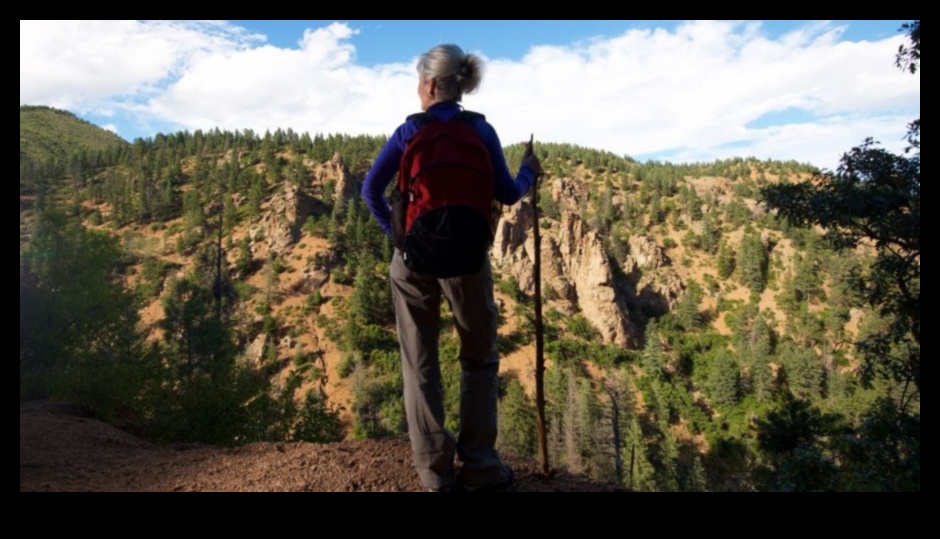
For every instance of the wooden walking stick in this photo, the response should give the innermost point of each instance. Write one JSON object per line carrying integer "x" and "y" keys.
{"x": 539, "y": 333}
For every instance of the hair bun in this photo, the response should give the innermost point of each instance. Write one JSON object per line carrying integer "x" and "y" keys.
{"x": 456, "y": 72}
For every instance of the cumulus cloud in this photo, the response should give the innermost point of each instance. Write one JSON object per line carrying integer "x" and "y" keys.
{"x": 698, "y": 92}
{"x": 695, "y": 91}
{"x": 85, "y": 64}
{"x": 316, "y": 87}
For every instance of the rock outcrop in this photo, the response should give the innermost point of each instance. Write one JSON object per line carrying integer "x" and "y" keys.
{"x": 347, "y": 187}
{"x": 280, "y": 225}
{"x": 574, "y": 268}
{"x": 313, "y": 279}
{"x": 255, "y": 351}
{"x": 645, "y": 254}
{"x": 655, "y": 287}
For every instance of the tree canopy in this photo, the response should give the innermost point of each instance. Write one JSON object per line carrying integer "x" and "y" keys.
{"x": 873, "y": 199}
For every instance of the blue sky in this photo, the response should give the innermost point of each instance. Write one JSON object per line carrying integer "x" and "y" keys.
{"x": 681, "y": 91}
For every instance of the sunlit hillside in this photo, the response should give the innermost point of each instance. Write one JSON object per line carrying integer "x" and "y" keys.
{"x": 228, "y": 287}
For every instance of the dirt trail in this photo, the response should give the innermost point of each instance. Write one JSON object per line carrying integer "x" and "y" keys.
{"x": 63, "y": 450}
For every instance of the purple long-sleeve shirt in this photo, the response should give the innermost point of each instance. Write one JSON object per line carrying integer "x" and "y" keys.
{"x": 508, "y": 189}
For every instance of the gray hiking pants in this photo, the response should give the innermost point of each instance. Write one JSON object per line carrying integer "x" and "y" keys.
{"x": 417, "y": 300}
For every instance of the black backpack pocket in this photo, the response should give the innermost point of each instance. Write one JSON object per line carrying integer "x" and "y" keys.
{"x": 447, "y": 242}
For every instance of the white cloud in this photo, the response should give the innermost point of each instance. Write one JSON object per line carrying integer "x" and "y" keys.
{"x": 690, "y": 93}
{"x": 697, "y": 89}
{"x": 81, "y": 64}
{"x": 315, "y": 88}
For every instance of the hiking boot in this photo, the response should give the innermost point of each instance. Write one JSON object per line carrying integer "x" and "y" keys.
{"x": 505, "y": 483}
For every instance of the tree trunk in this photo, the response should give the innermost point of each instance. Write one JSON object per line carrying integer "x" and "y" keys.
{"x": 539, "y": 335}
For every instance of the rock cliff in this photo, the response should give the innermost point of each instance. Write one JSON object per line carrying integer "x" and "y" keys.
{"x": 575, "y": 268}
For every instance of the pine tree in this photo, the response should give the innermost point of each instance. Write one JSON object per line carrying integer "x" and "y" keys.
{"x": 805, "y": 372}
{"x": 653, "y": 358}
{"x": 752, "y": 265}
{"x": 516, "y": 421}
{"x": 724, "y": 380}
{"x": 639, "y": 473}
{"x": 711, "y": 233}
{"x": 696, "y": 480}
{"x": 726, "y": 261}
{"x": 687, "y": 313}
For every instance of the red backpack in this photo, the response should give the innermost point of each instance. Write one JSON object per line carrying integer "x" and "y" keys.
{"x": 443, "y": 205}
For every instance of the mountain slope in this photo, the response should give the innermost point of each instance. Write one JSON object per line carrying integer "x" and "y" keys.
{"x": 47, "y": 132}
{"x": 678, "y": 309}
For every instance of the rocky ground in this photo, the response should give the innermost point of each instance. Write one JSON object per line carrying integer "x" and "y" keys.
{"x": 61, "y": 449}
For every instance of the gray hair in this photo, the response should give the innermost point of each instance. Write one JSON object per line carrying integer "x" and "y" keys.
{"x": 456, "y": 73}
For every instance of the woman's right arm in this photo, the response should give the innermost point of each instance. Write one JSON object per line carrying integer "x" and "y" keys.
{"x": 508, "y": 189}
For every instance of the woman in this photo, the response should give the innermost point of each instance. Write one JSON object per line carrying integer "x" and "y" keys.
{"x": 445, "y": 73}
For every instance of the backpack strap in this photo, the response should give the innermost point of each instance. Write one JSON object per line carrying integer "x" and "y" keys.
{"x": 465, "y": 116}
{"x": 468, "y": 116}
{"x": 421, "y": 118}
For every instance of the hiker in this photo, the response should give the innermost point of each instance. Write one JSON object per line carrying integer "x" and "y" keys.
{"x": 445, "y": 73}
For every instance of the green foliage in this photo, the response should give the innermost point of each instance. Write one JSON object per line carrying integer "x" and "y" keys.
{"x": 639, "y": 473}
{"x": 195, "y": 335}
{"x": 754, "y": 341}
{"x": 725, "y": 261}
{"x": 245, "y": 263}
{"x": 154, "y": 270}
{"x": 510, "y": 287}
{"x": 580, "y": 327}
{"x": 883, "y": 453}
{"x": 256, "y": 194}
{"x": 78, "y": 325}
{"x": 697, "y": 480}
{"x": 548, "y": 207}
{"x": 575, "y": 418}
{"x": 802, "y": 448}
{"x": 95, "y": 219}
{"x": 908, "y": 57}
{"x": 795, "y": 442}
{"x": 711, "y": 284}
{"x": 653, "y": 358}
{"x": 711, "y": 234}
{"x": 370, "y": 301}
{"x": 724, "y": 381}
{"x": 752, "y": 264}
{"x": 873, "y": 198}
{"x": 317, "y": 421}
{"x": 576, "y": 155}
{"x": 687, "y": 312}
{"x": 79, "y": 341}
{"x": 347, "y": 366}
{"x": 48, "y": 133}
{"x": 378, "y": 409}
{"x": 738, "y": 214}
{"x": 516, "y": 421}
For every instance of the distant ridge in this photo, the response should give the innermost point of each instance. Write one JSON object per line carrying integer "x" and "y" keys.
{"x": 48, "y": 132}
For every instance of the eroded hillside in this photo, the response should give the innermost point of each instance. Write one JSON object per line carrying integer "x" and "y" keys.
{"x": 678, "y": 308}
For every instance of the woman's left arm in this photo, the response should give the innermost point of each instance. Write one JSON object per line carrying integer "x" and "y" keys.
{"x": 378, "y": 178}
